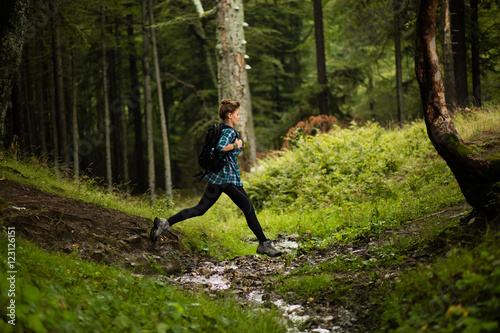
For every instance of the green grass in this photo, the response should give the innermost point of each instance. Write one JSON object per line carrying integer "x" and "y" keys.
{"x": 459, "y": 294}
{"x": 61, "y": 293}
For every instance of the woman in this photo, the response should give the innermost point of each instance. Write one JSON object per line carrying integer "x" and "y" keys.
{"x": 228, "y": 180}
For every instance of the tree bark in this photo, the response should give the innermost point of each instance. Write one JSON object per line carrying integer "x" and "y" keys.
{"x": 62, "y": 136}
{"x": 449, "y": 71}
{"x": 476, "y": 66}
{"x": 13, "y": 25}
{"x": 457, "y": 11}
{"x": 320, "y": 57}
{"x": 163, "y": 120}
{"x": 135, "y": 108}
{"x": 107, "y": 125}
{"x": 478, "y": 177}
{"x": 18, "y": 117}
{"x": 200, "y": 31}
{"x": 398, "y": 56}
{"x": 76, "y": 158}
{"x": 147, "y": 102}
{"x": 40, "y": 104}
{"x": 122, "y": 117}
{"x": 233, "y": 76}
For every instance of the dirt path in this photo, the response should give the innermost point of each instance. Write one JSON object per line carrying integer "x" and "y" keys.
{"x": 114, "y": 238}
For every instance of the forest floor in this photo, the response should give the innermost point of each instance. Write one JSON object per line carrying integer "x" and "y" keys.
{"x": 111, "y": 237}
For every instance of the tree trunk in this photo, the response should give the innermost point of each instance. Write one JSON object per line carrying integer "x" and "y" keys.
{"x": 200, "y": 31}
{"x": 478, "y": 177}
{"x": 476, "y": 68}
{"x": 457, "y": 11}
{"x": 398, "y": 56}
{"x": 62, "y": 136}
{"x": 18, "y": 117}
{"x": 41, "y": 102}
{"x": 163, "y": 120}
{"x": 107, "y": 126}
{"x": 53, "y": 113}
{"x": 233, "y": 79}
{"x": 134, "y": 105}
{"x": 13, "y": 25}
{"x": 121, "y": 110}
{"x": 449, "y": 71}
{"x": 320, "y": 57}
{"x": 76, "y": 158}
{"x": 147, "y": 102}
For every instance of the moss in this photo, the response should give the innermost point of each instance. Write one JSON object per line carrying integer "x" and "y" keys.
{"x": 495, "y": 165}
{"x": 453, "y": 140}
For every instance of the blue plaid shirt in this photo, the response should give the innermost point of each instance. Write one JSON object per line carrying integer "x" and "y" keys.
{"x": 230, "y": 173}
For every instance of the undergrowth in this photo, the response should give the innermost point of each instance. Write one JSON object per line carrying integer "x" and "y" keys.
{"x": 345, "y": 186}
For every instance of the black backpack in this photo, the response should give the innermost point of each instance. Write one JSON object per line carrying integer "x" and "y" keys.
{"x": 209, "y": 157}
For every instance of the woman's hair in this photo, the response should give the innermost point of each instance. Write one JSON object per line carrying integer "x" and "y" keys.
{"x": 227, "y": 106}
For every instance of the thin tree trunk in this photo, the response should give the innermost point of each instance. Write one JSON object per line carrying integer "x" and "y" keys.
{"x": 398, "y": 56}
{"x": 107, "y": 131}
{"x": 320, "y": 57}
{"x": 163, "y": 120}
{"x": 135, "y": 108}
{"x": 62, "y": 136}
{"x": 457, "y": 11}
{"x": 121, "y": 110}
{"x": 476, "y": 176}
{"x": 233, "y": 79}
{"x": 53, "y": 114}
{"x": 28, "y": 97}
{"x": 449, "y": 71}
{"x": 13, "y": 25}
{"x": 147, "y": 102}
{"x": 76, "y": 159}
{"x": 476, "y": 66}
{"x": 200, "y": 31}
{"x": 41, "y": 110}
{"x": 18, "y": 117}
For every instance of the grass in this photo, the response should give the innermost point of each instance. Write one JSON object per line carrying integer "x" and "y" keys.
{"x": 61, "y": 293}
{"x": 459, "y": 294}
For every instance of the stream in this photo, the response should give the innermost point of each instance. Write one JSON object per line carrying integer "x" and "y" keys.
{"x": 249, "y": 280}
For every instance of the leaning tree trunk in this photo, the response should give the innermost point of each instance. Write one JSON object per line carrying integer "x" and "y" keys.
{"x": 12, "y": 33}
{"x": 233, "y": 78}
{"x": 478, "y": 177}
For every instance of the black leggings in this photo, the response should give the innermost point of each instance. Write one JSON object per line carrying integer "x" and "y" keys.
{"x": 211, "y": 195}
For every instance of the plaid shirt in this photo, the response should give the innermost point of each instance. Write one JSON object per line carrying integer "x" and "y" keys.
{"x": 230, "y": 173}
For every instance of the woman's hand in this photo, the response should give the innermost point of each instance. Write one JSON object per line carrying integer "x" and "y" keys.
{"x": 238, "y": 143}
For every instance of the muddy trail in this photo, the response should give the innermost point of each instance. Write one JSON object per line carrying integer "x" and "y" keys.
{"x": 111, "y": 237}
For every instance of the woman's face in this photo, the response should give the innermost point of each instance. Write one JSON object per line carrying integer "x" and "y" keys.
{"x": 234, "y": 117}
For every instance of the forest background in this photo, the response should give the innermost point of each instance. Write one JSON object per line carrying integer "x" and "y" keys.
{"x": 99, "y": 53}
